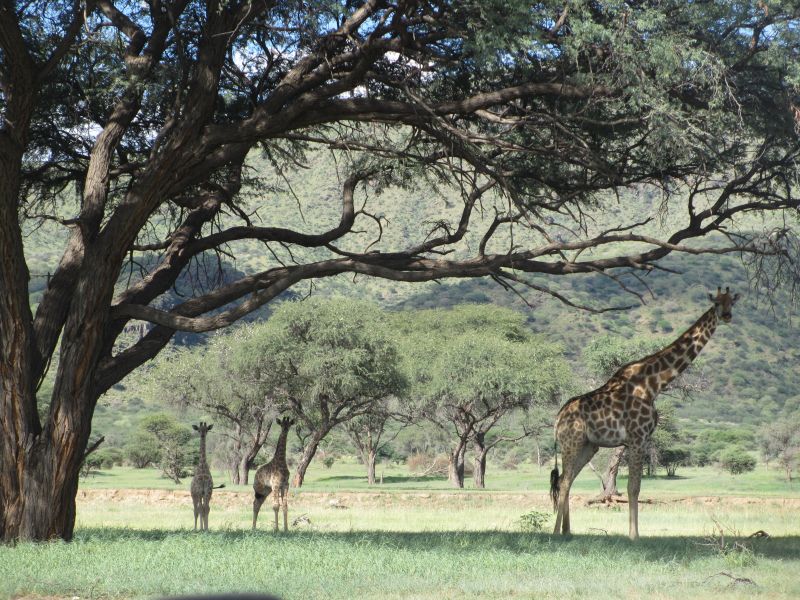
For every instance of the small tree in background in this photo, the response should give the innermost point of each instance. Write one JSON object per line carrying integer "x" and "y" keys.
{"x": 471, "y": 367}
{"x": 781, "y": 441}
{"x": 217, "y": 379}
{"x": 326, "y": 362}
{"x": 673, "y": 457}
{"x": 172, "y": 439}
{"x": 737, "y": 460}
{"x": 142, "y": 450}
{"x": 370, "y": 432}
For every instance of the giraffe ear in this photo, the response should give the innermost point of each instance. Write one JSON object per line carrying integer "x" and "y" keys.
{"x": 195, "y": 428}
{"x": 711, "y": 297}
{"x": 735, "y": 299}
{"x": 209, "y": 428}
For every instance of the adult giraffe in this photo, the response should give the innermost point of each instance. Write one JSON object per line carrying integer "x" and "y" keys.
{"x": 622, "y": 412}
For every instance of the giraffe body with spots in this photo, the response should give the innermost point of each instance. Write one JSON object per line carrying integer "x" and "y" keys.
{"x": 273, "y": 478}
{"x": 622, "y": 412}
{"x": 202, "y": 483}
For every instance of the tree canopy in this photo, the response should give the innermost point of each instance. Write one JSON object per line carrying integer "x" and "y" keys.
{"x": 217, "y": 380}
{"x": 146, "y": 112}
{"x": 326, "y": 363}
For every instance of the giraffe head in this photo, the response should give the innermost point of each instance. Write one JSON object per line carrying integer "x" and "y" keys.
{"x": 202, "y": 429}
{"x": 285, "y": 422}
{"x": 723, "y": 303}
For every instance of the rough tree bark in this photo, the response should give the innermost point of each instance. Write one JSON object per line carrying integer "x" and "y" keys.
{"x": 479, "y": 473}
{"x": 309, "y": 450}
{"x": 608, "y": 478}
{"x": 455, "y": 464}
{"x": 371, "y": 457}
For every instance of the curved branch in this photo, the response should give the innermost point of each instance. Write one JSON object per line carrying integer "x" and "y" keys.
{"x": 279, "y": 234}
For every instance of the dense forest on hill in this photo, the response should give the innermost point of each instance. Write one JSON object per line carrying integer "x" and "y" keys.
{"x": 748, "y": 369}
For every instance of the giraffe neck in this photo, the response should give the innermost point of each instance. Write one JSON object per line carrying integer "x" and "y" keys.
{"x": 280, "y": 447}
{"x": 201, "y": 463}
{"x": 676, "y": 358}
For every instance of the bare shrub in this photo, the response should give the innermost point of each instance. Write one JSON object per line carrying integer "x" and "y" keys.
{"x": 422, "y": 463}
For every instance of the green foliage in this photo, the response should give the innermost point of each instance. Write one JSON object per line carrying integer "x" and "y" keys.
{"x": 604, "y": 355}
{"x": 143, "y": 450}
{"x": 215, "y": 379}
{"x": 108, "y": 457}
{"x": 533, "y": 521}
{"x": 316, "y": 352}
{"x": 672, "y": 457}
{"x": 737, "y": 460}
{"x": 710, "y": 443}
{"x": 172, "y": 440}
{"x": 781, "y": 441}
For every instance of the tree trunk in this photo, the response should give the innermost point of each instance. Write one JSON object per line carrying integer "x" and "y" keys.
{"x": 538, "y": 452}
{"x": 609, "y": 477}
{"x": 39, "y": 481}
{"x": 479, "y": 473}
{"x": 308, "y": 454}
{"x": 480, "y": 470}
{"x": 243, "y": 470}
{"x": 455, "y": 466}
{"x": 234, "y": 465}
{"x": 371, "y": 457}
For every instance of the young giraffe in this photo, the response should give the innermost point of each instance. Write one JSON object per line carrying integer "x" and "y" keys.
{"x": 622, "y": 412}
{"x": 202, "y": 483}
{"x": 273, "y": 477}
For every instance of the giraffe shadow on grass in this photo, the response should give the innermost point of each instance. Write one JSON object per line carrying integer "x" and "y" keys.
{"x": 656, "y": 549}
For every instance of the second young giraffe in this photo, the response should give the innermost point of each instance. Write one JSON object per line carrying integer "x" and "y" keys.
{"x": 273, "y": 478}
{"x": 202, "y": 483}
{"x": 622, "y": 412}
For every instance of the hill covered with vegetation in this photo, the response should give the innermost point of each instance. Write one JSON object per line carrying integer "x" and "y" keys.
{"x": 748, "y": 369}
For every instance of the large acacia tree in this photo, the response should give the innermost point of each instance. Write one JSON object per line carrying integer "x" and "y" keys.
{"x": 147, "y": 112}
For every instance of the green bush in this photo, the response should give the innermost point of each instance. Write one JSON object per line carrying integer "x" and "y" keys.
{"x": 108, "y": 457}
{"x": 737, "y": 460}
{"x": 143, "y": 450}
{"x": 533, "y": 521}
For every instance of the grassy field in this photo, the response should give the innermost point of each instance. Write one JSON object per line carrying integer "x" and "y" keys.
{"x": 412, "y": 538}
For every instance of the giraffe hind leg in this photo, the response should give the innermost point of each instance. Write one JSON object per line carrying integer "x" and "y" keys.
{"x": 206, "y": 509}
{"x": 260, "y": 496}
{"x": 572, "y": 463}
{"x": 196, "y": 513}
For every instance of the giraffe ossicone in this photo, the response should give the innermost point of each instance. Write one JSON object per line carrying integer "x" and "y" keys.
{"x": 622, "y": 412}
{"x": 273, "y": 478}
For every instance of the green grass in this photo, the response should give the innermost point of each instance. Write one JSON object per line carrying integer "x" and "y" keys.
{"x": 372, "y": 564}
{"x": 350, "y": 476}
{"x": 418, "y": 539}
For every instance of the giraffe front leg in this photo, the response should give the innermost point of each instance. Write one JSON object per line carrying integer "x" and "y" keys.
{"x": 285, "y": 505}
{"x": 635, "y": 459}
{"x": 276, "y": 507}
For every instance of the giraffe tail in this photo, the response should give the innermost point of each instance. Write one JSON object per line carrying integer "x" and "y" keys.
{"x": 222, "y": 485}
{"x": 555, "y": 479}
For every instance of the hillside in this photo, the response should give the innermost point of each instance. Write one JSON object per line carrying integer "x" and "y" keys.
{"x": 751, "y": 364}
